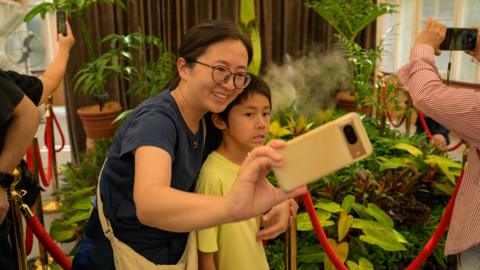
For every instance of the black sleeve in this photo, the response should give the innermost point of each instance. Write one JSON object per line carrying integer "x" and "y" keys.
{"x": 434, "y": 126}
{"x": 5, "y": 227}
{"x": 30, "y": 85}
{"x": 10, "y": 96}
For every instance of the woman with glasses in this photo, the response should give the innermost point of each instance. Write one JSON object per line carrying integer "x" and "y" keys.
{"x": 146, "y": 207}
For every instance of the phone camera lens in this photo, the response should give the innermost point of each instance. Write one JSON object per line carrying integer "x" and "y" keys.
{"x": 350, "y": 134}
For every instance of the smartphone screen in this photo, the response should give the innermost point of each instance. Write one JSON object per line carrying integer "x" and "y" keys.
{"x": 61, "y": 22}
{"x": 459, "y": 39}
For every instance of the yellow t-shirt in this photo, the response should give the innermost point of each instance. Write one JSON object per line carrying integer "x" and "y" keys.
{"x": 234, "y": 244}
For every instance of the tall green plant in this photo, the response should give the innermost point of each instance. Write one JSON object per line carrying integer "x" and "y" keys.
{"x": 75, "y": 8}
{"x": 249, "y": 26}
{"x": 349, "y": 17}
{"x": 126, "y": 58}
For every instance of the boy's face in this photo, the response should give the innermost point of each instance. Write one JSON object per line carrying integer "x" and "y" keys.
{"x": 249, "y": 122}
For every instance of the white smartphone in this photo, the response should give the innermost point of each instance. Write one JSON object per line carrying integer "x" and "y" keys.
{"x": 323, "y": 150}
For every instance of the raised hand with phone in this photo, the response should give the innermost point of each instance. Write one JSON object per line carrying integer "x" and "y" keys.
{"x": 440, "y": 38}
{"x": 55, "y": 72}
{"x": 61, "y": 22}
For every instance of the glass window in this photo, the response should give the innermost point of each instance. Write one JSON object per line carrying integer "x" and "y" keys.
{"x": 412, "y": 16}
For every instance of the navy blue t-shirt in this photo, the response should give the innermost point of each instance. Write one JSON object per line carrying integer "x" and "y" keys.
{"x": 155, "y": 122}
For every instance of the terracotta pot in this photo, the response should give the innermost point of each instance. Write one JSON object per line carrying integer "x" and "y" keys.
{"x": 346, "y": 102}
{"x": 98, "y": 124}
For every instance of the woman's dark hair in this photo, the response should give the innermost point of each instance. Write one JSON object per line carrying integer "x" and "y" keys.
{"x": 198, "y": 38}
{"x": 256, "y": 86}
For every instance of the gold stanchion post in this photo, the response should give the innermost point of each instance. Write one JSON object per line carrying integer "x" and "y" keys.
{"x": 54, "y": 205}
{"x": 43, "y": 255}
{"x": 16, "y": 232}
{"x": 291, "y": 247}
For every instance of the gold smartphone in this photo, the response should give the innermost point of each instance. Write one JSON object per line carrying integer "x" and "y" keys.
{"x": 323, "y": 150}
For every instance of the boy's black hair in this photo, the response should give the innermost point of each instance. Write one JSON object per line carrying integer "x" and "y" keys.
{"x": 256, "y": 86}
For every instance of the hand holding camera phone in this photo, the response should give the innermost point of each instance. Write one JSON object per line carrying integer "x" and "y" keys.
{"x": 323, "y": 150}
{"x": 62, "y": 22}
{"x": 460, "y": 39}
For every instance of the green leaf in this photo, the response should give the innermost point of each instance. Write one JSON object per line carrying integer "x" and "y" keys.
{"x": 389, "y": 246}
{"x": 247, "y": 11}
{"x": 311, "y": 254}
{"x": 304, "y": 223}
{"x": 450, "y": 168}
{"x": 379, "y": 215}
{"x": 62, "y": 231}
{"x": 445, "y": 188}
{"x": 409, "y": 148}
{"x": 352, "y": 265}
{"x": 328, "y": 206}
{"x": 344, "y": 224}
{"x": 278, "y": 131}
{"x": 347, "y": 203}
{"x": 122, "y": 116}
{"x": 83, "y": 204}
{"x": 395, "y": 163}
{"x": 370, "y": 225}
{"x": 80, "y": 216}
{"x": 40, "y": 9}
{"x": 340, "y": 249}
{"x": 256, "y": 62}
{"x": 365, "y": 264}
{"x": 251, "y": 29}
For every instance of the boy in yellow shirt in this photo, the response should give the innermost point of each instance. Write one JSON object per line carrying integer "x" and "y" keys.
{"x": 244, "y": 125}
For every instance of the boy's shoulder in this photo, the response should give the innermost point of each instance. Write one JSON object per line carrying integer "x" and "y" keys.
{"x": 211, "y": 165}
{"x": 217, "y": 170}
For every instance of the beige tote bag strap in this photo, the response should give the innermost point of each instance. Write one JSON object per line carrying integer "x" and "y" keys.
{"x": 106, "y": 226}
{"x": 204, "y": 127}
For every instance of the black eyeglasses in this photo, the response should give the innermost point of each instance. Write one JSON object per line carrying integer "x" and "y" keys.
{"x": 221, "y": 75}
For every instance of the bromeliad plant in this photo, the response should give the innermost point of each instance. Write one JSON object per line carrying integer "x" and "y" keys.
{"x": 356, "y": 225}
{"x": 380, "y": 211}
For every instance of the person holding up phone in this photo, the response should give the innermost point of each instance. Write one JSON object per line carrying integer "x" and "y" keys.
{"x": 458, "y": 110}
{"x": 19, "y": 118}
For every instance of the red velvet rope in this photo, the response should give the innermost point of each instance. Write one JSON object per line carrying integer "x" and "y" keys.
{"x": 52, "y": 248}
{"x": 416, "y": 263}
{"x": 441, "y": 228}
{"x": 421, "y": 116}
{"x": 59, "y": 128}
{"x": 321, "y": 236}
{"x": 390, "y": 119}
{"x": 49, "y": 142}
{"x": 41, "y": 173}
{"x": 48, "y": 139}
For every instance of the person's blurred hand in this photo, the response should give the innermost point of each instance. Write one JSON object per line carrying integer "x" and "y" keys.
{"x": 67, "y": 41}
{"x": 433, "y": 34}
{"x": 439, "y": 141}
{"x": 476, "y": 53}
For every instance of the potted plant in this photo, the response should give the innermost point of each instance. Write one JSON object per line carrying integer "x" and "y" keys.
{"x": 126, "y": 59}
{"x": 349, "y": 18}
